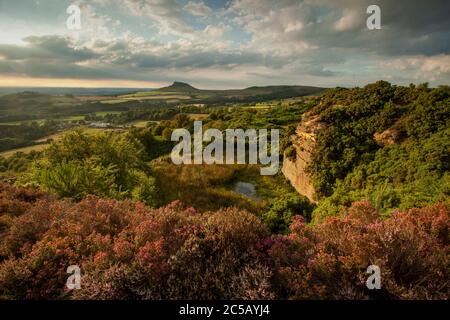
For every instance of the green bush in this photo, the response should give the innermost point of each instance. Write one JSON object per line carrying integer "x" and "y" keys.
{"x": 106, "y": 164}
{"x": 280, "y": 211}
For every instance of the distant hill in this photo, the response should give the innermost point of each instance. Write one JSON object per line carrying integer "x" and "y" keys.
{"x": 37, "y": 105}
{"x": 179, "y": 87}
{"x": 73, "y": 91}
{"x": 33, "y": 106}
{"x": 238, "y": 95}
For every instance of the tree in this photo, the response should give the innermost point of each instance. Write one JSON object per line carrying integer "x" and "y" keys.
{"x": 167, "y": 133}
{"x": 105, "y": 164}
{"x": 181, "y": 120}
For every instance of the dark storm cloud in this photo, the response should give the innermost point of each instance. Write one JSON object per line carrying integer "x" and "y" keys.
{"x": 202, "y": 59}
{"x": 46, "y": 48}
{"x": 408, "y": 27}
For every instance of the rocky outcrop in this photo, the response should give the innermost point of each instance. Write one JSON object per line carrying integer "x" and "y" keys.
{"x": 388, "y": 137}
{"x": 304, "y": 142}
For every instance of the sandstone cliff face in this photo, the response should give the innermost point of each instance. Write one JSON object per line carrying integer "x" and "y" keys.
{"x": 304, "y": 142}
{"x": 394, "y": 134}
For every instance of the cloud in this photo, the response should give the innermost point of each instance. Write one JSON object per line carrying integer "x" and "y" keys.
{"x": 350, "y": 19}
{"x": 122, "y": 58}
{"x": 422, "y": 67}
{"x": 46, "y": 48}
{"x": 216, "y": 31}
{"x": 416, "y": 28}
{"x": 197, "y": 9}
{"x": 246, "y": 42}
{"x": 166, "y": 13}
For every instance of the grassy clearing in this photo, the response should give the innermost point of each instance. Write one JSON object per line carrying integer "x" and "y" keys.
{"x": 113, "y": 101}
{"x": 38, "y": 147}
{"x": 147, "y": 94}
{"x": 140, "y": 124}
{"x": 161, "y": 97}
{"x": 206, "y": 187}
{"x": 211, "y": 187}
{"x": 17, "y": 123}
{"x": 169, "y": 97}
{"x": 104, "y": 113}
{"x": 74, "y": 118}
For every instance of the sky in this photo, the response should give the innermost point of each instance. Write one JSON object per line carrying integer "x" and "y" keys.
{"x": 223, "y": 44}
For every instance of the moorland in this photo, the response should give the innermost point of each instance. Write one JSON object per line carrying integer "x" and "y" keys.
{"x": 89, "y": 181}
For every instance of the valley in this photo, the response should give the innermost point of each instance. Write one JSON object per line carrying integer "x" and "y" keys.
{"x": 360, "y": 157}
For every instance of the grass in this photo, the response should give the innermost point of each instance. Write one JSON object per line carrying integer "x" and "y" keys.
{"x": 12, "y": 123}
{"x": 74, "y": 118}
{"x": 211, "y": 187}
{"x": 206, "y": 187}
{"x": 161, "y": 97}
{"x": 113, "y": 101}
{"x": 147, "y": 93}
{"x": 262, "y": 107}
{"x": 16, "y": 123}
{"x": 38, "y": 147}
{"x": 140, "y": 124}
{"x": 71, "y": 118}
{"x": 104, "y": 113}
{"x": 136, "y": 97}
{"x": 55, "y": 137}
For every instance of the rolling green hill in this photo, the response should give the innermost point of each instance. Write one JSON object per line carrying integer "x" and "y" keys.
{"x": 26, "y": 106}
{"x": 33, "y": 104}
{"x": 251, "y": 94}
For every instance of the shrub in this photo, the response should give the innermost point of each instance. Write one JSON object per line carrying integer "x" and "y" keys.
{"x": 129, "y": 251}
{"x": 281, "y": 211}
{"x": 329, "y": 261}
{"x": 106, "y": 164}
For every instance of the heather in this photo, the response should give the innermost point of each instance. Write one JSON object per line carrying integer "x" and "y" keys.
{"x": 140, "y": 227}
{"x": 127, "y": 250}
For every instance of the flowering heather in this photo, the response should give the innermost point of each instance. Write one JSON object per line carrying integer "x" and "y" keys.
{"x": 128, "y": 251}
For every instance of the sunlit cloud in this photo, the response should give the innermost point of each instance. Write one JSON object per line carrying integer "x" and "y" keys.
{"x": 217, "y": 44}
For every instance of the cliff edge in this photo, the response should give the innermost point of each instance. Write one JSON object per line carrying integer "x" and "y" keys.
{"x": 304, "y": 143}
